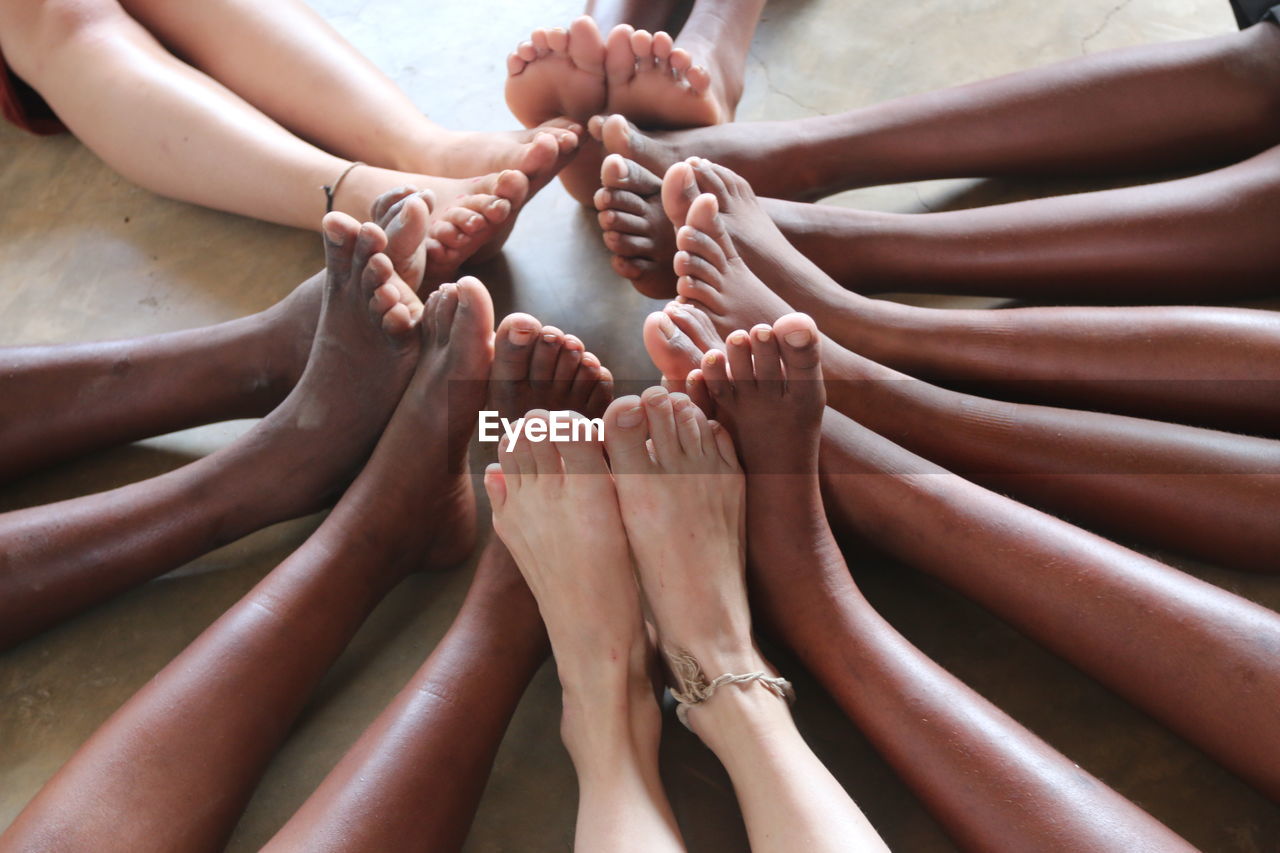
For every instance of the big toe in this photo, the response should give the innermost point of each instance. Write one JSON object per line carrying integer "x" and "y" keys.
{"x": 626, "y": 433}
{"x": 617, "y": 172}
{"x": 513, "y": 346}
{"x": 679, "y": 190}
{"x": 583, "y": 453}
{"x": 672, "y": 351}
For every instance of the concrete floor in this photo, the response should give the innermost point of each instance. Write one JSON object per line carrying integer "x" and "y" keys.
{"x": 84, "y": 255}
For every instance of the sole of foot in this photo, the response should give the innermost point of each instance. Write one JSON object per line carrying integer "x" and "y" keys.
{"x": 557, "y": 72}
{"x": 656, "y": 84}
{"x": 635, "y": 209}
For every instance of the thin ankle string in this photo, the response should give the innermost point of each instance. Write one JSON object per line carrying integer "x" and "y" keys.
{"x": 692, "y": 687}
{"x": 331, "y": 190}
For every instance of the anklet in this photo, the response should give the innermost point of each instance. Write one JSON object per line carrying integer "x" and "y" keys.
{"x": 331, "y": 190}
{"x": 694, "y": 689}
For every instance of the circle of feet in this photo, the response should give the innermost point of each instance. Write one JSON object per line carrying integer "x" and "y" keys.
{"x": 661, "y": 529}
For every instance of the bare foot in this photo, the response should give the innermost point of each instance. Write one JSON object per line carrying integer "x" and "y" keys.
{"x": 557, "y": 73}
{"x": 555, "y": 507}
{"x": 682, "y": 496}
{"x": 676, "y": 338}
{"x": 465, "y": 154}
{"x": 712, "y": 273}
{"x": 427, "y": 438}
{"x": 362, "y": 354}
{"x": 656, "y": 84}
{"x": 635, "y": 226}
{"x": 540, "y": 367}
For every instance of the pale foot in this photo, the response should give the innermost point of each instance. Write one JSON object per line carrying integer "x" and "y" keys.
{"x": 682, "y": 496}
{"x": 555, "y": 508}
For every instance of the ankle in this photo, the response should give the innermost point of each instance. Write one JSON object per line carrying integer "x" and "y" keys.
{"x": 615, "y": 721}
{"x": 737, "y": 714}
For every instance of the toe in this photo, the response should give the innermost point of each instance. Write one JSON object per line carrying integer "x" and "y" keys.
{"x": 626, "y": 223}
{"x": 629, "y": 245}
{"x": 672, "y": 352}
{"x": 584, "y": 452}
{"x": 340, "y": 233}
{"x": 601, "y": 395}
{"x": 679, "y": 189}
{"x": 566, "y": 368}
{"x": 513, "y": 347}
{"x": 546, "y": 458}
{"x": 619, "y": 58}
{"x": 681, "y": 60}
{"x": 701, "y": 294}
{"x": 586, "y": 45}
{"x": 699, "y": 78}
{"x": 695, "y": 323}
{"x": 377, "y": 272}
{"x": 662, "y": 425}
{"x": 626, "y": 431}
{"x": 663, "y": 45}
{"x": 799, "y": 345}
{"x": 765, "y": 357}
{"x": 704, "y": 216}
{"x": 475, "y": 306}
{"x": 383, "y": 204}
{"x": 694, "y": 266}
{"x": 445, "y": 309}
{"x": 715, "y": 376}
{"x": 622, "y": 201}
{"x": 688, "y": 432}
{"x": 558, "y": 40}
{"x": 695, "y": 385}
{"x": 542, "y": 365}
{"x": 738, "y": 350}
{"x": 495, "y": 486}
{"x": 617, "y": 172}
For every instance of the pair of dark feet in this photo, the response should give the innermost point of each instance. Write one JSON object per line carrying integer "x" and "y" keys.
{"x": 387, "y": 369}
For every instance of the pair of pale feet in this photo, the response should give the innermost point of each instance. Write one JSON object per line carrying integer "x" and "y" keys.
{"x": 651, "y": 520}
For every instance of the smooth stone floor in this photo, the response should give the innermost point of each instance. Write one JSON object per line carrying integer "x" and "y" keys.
{"x": 84, "y": 255}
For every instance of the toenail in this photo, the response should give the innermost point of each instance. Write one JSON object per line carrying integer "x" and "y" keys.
{"x": 799, "y": 338}
{"x": 711, "y": 357}
{"x": 632, "y": 417}
{"x": 763, "y": 333}
{"x": 658, "y": 398}
{"x": 464, "y": 299}
{"x": 667, "y": 327}
{"x": 680, "y": 402}
{"x": 520, "y": 336}
{"x": 739, "y": 337}
{"x": 333, "y": 233}
{"x": 550, "y": 338}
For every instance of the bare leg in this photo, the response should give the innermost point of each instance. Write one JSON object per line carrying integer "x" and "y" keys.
{"x": 172, "y": 129}
{"x": 97, "y": 395}
{"x": 1187, "y": 104}
{"x": 696, "y": 589}
{"x": 1209, "y": 494}
{"x": 386, "y": 793}
{"x": 992, "y": 784}
{"x": 63, "y": 557}
{"x": 1213, "y": 366}
{"x": 554, "y": 506}
{"x": 286, "y": 61}
{"x": 158, "y": 775}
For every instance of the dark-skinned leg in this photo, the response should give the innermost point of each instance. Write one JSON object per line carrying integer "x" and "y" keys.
{"x": 992, "y": 784}
{"x": 1209, "y": 494}
{"x": 1192, "y": 655}
{"x": 448, "y": 721}
{"x": 1213, "y": 366}
{"x": 63, "y": 557}
{"x": 1187, "y": 104}
{"x": 158, "y": 775}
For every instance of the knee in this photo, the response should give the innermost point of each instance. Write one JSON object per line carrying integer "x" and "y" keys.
{"x": 34, "y": 31}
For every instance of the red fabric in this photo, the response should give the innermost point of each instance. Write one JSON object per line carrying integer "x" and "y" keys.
{"x": 24, "y": 107}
